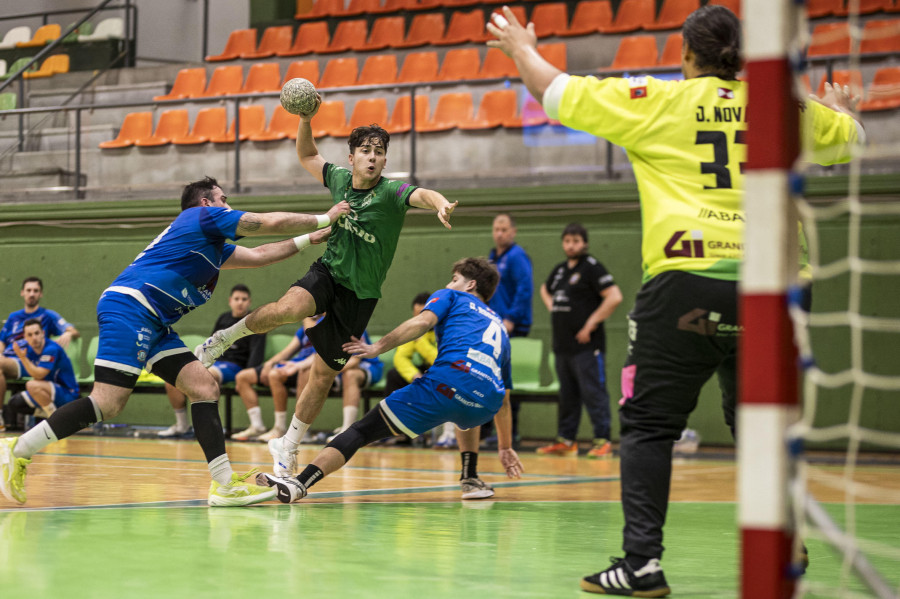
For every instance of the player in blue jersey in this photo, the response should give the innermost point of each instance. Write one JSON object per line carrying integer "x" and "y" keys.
{"x": 467, "y": 384}
{"x": 52, "y": 323}
{"x": 52, "y": 383}
{"x": 176, "y": 273}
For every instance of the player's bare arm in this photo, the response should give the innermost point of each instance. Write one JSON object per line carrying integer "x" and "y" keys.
{"x": 432, "y": 200}
{"x": 508, "y": 456}
{"x": 287, "y": 223}
{"x": 520, "y": 44}
{"x": 35, "y": 372}
{"x": 64, "y": 339}
{"x": 612, "y": 297}
{"x": 271, "y": 253}
{"x": 307, "y": 151}
{"x": 413, "y": 328}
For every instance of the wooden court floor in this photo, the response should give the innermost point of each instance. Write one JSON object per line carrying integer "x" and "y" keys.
{"x": 114, "y": 517}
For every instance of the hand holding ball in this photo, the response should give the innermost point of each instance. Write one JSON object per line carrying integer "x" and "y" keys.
{"x": 298, "y": 96}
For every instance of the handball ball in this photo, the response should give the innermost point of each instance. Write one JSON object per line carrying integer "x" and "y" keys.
{"x": 298, "y": 96}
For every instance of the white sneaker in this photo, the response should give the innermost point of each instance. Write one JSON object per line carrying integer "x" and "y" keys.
{"x": 248, "y": 434}
{"x": 274, "y": 433}
{"x": 447, "y": 440}
{"x": 285, "y": 461}
{"x": 173, "y": 431}
{"x": 475, "y": 488}
{"x": 210, "y": 350}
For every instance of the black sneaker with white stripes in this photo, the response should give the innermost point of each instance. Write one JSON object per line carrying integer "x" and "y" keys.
{"x": 289, "y": 489}
{"x": 621, "y": 579}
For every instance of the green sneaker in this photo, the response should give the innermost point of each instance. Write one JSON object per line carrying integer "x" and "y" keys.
{"x": 239, "y": 491}
{"x": 12, "y": 471}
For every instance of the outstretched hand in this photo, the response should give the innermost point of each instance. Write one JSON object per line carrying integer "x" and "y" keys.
{"x": 510, "y": 33}
{"x": 320, "y": 236}
{"x": 511, "y": 463}
{"x": 444, "y": 213}
{"x": 337, "y": 210}
{"x": 838, "y": 98}
{"x": 356, "y": 347}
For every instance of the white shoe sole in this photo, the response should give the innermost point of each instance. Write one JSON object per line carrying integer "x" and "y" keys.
{"x": 478, "y": 494}
{"x": 219, "y": 501}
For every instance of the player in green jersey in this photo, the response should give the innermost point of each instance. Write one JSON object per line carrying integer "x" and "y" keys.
{"x": 346, "y": 281}
{"x": 685, "y": 140}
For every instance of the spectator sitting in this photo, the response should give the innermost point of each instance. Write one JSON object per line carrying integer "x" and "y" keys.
{"x": 357, "y": 374}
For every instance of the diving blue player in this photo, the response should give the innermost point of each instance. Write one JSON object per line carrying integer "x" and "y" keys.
{"x": 176, "y": 273}
{"x": 467, "y": 384}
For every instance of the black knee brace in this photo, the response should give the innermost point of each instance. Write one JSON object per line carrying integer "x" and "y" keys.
{"x": 372, "y": 427}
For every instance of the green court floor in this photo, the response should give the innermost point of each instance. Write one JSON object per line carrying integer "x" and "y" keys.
{"x": 358, "y": 550}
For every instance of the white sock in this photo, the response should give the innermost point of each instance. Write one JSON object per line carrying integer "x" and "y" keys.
{"x": 294, "y": 433}
{"x": 350, "y": 414}
{"x": 181, "y": 421}
{"x": 34, "y": 440}
{"x": 281, "y": 420}
{"x": 220, "y": 469}
{"x": 449, "y": 428}
{"x": 237, "y": 331}
{"x": 255, "y": 415}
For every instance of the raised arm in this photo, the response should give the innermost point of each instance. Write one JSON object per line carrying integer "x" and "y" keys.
{"x": 271, "y": 253}
{"x": 307, "y": 151}
{"x": 411, "y": 329}
{"x": 520, "y": 44}
{"x": 288, "y": 223}
{"x": 432, "y": 200}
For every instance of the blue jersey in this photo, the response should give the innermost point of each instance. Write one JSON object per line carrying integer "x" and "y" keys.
{"x": 473, "y": 348}
{"x": 52, "y": 323}
{"x": 512, "y": 300}
{"x": 178, "y": 271}
{"x": 53, "y": 357}
{"x": 306, "y": 346}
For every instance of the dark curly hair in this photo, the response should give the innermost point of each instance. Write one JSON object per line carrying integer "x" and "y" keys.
{"x": 713, "y": 33}
{"x": 482, "y": 272}
{"x": 360, "y": 135}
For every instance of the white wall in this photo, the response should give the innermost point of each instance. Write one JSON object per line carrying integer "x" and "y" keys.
{"x": 167, "y": 29}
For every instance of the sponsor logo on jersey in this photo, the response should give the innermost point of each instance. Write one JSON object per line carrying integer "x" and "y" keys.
{"x": 574, "y": 278}
{"x": 722, "y": 215}
{"x": 692, "y": 247}
{"x": 461, "y": 365}
{"x": 706, "y": 323}
{"x": 726, "y": 93}
{"x": 638, "y": 92}
{"x": 46, "y": 358}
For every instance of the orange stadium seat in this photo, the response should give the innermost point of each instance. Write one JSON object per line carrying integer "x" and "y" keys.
{"x": 881, "y": 36}
{"x": 330, "y": 117}
{"x": 240, "y": 41}
{"x": 380, "y": 69}
{"x": 842, "y": 78}
{"x": 418, "y": 67}
{"x": 732, "y": 5}
{"x": 830, "y": 39}
{"x": 671, "y": 54}
{"x": 189, "y": 83}
{"x": 172, "y": 124}
{"x": 283, "y": 125}
{"x": 633, "y": 15}
{"x": 464, "y": 27}
{"x": 496, "y": 108}
{"x": 365, "y": 112}
{"x": 591, "y": 16}
{"x": 262, "y": 77}
{"x": 320, "y": 9}
{"x": 423, "y": 4}
{"x": 635, "y": 52}
{"x": 348, "y": 35}
{"x": 497, "y": 64}
{"x": 225, "y": 80}
{"x": 135, "y": 126}
{"x": 866, "y": 7}
{"x": 305, "y": 69}
{"x": 423, "y": 30}
{"x": 884, "y": 92}
{"x": 253, "y": 122}
{"x": 362, "y": 7}
{"x": 53, "y": 65}
{"x": 456, "y": 3}
{"x": 395, "y": 6}
{"x": 672, "y": 14}
{"x": 274, "y": 40}
{"x": 210, "y": 122}
{"x": 451, "y": 110}
{"x": 555, "y": 54}
{"x": 459, "y": 64}
{"x": 401, "y": 119}
{"x": 386, "y": 32}
{"x": 340, "y": 72}
{"x": 311, "y": 38}
{"x": 550, "y": 18}
{"x": 43, "y": 36}
{"x": 823, "y": 8}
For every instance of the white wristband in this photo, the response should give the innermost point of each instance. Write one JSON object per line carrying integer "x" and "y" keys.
{"x": 302, "y": 242}
{"x": 322, "y": 220}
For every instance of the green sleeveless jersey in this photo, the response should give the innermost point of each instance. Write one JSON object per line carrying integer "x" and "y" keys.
{"x": 686, "y": 142}
{"x": 362, "y": 243}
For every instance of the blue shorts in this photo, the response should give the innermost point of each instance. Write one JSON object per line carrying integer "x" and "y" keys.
{"x": 21, "y": 373}
{"x": 131, "y": 337}
{"x": 59, "y": 395}
{"x": 228, "y": 370}
{"x": 426, "y": 403}
{"x": 373, "y": 375}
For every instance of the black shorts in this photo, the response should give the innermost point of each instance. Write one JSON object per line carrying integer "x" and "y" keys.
{"x": 346, "y": 314}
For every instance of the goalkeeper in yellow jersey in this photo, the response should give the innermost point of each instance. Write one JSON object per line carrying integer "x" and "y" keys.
{"x": 686, "y": 142}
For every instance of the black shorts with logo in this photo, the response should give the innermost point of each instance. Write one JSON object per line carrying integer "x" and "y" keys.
{"x": 346, "y": 314}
